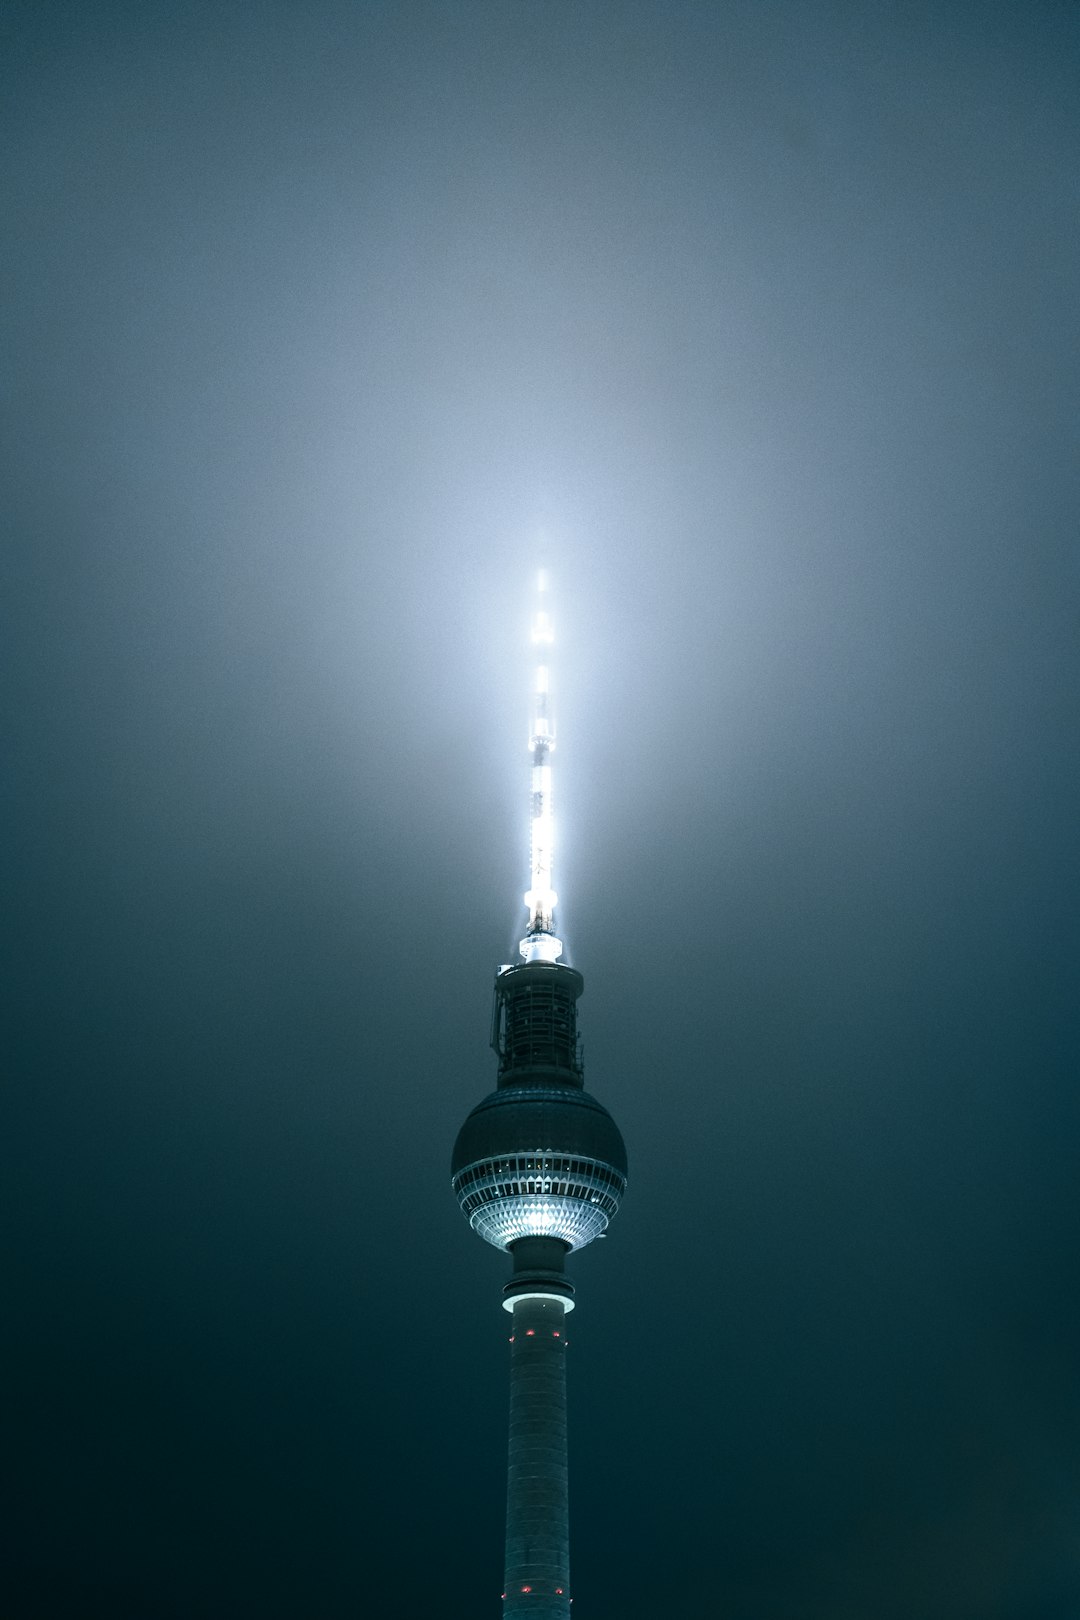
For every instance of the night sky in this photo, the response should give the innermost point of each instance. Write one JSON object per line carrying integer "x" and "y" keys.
{"x": 314, "y": 317}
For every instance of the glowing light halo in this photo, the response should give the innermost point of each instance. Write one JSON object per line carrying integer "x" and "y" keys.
{"x": 565, "y": 1300}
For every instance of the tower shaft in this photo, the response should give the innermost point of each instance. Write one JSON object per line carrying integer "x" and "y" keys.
{"x": 537, "y": 1581}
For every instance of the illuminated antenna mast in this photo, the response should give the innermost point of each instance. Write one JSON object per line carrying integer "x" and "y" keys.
{"x": 541, "y": 943}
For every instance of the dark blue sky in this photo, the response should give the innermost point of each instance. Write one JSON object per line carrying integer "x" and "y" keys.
{"x": 767, "y": 315}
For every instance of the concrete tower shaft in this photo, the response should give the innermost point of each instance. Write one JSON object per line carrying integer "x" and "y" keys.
{"x": 537, "y": 1577}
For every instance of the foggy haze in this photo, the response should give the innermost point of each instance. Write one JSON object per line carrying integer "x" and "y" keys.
{"x": 767, "y": 317}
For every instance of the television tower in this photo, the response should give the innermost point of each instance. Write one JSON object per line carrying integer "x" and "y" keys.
{"x": 538, "y": 1168}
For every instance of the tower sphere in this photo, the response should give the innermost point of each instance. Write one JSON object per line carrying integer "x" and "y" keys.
{"x": 539, "y": 1160}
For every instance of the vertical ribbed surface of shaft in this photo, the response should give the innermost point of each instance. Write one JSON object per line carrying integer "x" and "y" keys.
{"x": 537, "y": 1499}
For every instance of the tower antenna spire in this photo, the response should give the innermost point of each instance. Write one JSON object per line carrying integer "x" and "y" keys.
{"x": 541, "y": 943}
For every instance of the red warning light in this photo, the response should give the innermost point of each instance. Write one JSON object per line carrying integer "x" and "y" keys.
{"x": 556, "y": 1334}
{"x": 530, "y": 1333}
{"x": 526, "y": 1588}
